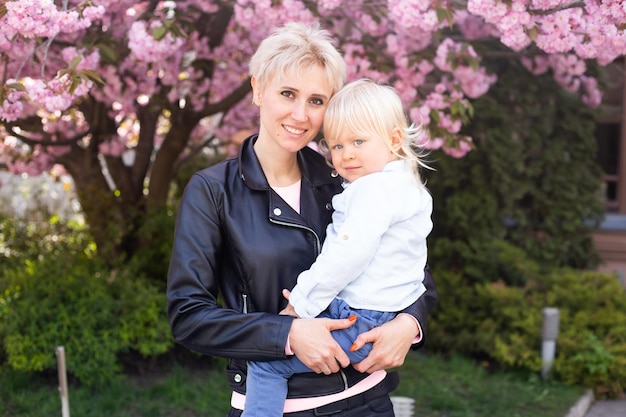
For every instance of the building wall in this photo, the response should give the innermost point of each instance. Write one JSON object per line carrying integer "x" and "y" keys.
{"x": 612, "y": 247}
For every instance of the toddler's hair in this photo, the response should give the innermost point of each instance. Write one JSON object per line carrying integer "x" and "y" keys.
{"x": 369, "y": 109}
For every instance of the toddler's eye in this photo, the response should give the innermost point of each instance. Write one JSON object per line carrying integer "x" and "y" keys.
{"x": 358, "y": 142}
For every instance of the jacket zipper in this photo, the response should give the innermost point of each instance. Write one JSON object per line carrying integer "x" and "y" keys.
{"x": 245, "y": 303}
{"x": 344, "y": 378}
{"x": 317, "y": 239}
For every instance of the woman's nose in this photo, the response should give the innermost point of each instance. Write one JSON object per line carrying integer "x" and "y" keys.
{"x": 299, "y": 112}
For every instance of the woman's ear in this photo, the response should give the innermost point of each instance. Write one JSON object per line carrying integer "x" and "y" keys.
{"x": 256, "y": 91}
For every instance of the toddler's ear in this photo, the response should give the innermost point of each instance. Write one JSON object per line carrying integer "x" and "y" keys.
{"x": 396, "y": 139}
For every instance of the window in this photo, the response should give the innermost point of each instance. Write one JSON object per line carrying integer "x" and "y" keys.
{"x": 611, "y": 137}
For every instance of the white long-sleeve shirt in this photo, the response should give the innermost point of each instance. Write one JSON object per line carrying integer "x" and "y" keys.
{"x": 375, "y": 249}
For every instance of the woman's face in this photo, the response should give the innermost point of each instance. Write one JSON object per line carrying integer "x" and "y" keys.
{"x": 292, "y": 108}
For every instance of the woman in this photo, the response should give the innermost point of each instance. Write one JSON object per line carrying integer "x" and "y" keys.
{"x": 248, "y": 226}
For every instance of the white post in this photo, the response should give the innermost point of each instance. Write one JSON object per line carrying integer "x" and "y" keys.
{"x": 65, "y": 400}
{"x": 549, "y": 334}
{"x": 403, "y": 406}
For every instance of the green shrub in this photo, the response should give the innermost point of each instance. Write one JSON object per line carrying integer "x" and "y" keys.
{"x": 532, "y": 179}
{"x": 74, "y": 301}
{"x": 503, "y": 323}
{"x": 22, "y": 240}
{"x": 155, "y": 238}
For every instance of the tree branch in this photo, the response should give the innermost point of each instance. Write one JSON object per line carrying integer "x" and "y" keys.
{"x": 229, "y": 101}
{"x": 557, "y": 9}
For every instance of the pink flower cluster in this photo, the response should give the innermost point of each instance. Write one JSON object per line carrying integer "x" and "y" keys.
{"x": 170, "y": 54}
{"x": 42, "y": 18}
{"x": 144, "y": 47}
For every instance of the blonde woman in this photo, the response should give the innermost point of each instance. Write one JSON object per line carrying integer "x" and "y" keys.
{"x": 247, "y": 227}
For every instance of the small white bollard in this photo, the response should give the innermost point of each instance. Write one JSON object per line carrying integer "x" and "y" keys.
{"x": 65, "y": 400}
{"x": 549, "y": 334}
{"x": 403, "y": 406}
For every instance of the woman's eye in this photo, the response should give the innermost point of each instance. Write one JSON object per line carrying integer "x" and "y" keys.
{"x": 317, "y": 101}
{"x": 287, "y": 94}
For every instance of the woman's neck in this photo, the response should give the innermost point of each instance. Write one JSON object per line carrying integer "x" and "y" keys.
{"x": 279, "y": 166}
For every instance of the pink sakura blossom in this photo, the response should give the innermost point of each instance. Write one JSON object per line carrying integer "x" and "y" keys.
{"x": 146, "y": 48}
{"x": 537, "y": 65}
{"x": 31, "y": 163}
{"x": 592, "y": 96}
{"x": 329, "y": 4}
{"x": 460, "y": 149}
{"x": 12, "y": 106}
{"x": 434, "y": 143}
{"x": 474, "y": 83}
{"x": 473, "y": 27}
{"x": 412, "y": 14}
{"x": 31, "y": 19}
{"x": 398, "y": 42}
{"x": 420, "y": 115}
{"x": 446, "y": 122}
{"x": 114, "y": 147}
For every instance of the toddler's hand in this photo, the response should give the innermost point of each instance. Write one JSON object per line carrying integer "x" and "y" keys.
{"x": 289, "y": 311}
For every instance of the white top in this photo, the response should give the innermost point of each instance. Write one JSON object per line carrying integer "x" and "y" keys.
{"x": 375, "y": 249}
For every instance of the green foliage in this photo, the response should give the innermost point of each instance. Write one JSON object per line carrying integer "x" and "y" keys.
{"x": 22, "y": 240}
{"x": 503, "y": 322}
{"x": 151, "y": 258}
{"x": 532, "y": 180}
{"x": 73, "y": 300}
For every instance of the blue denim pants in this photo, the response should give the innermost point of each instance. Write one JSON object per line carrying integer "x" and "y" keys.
{"x": 266, "y": 382}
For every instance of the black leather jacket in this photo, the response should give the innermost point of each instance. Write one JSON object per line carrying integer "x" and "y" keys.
{"x": 237, "y": 245}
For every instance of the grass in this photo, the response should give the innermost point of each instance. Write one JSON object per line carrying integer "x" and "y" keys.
{"x": 459, "y": 387}
{"x": 455, "y": 387}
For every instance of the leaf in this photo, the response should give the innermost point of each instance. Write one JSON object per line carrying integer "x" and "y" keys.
{"x": 92, "y": 75}
{"x": 178, "y": 32}
{"x": 76, "y": 81}
{"x": 17, "y": 86}
{"x": 441, "y": 15}
{"x": 75, "y": 61}
{"x": 445, "y": 14}
{"x": 532, "y": 33}
{"x": 159, "y": 33}
{"x": 107, "y": 53}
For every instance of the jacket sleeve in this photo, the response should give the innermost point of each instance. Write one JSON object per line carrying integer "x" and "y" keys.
{"x": 197, "y": 320}
{"x": 424, "y": 304}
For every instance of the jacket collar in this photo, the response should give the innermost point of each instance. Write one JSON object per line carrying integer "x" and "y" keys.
{"x": 314, "y": 168}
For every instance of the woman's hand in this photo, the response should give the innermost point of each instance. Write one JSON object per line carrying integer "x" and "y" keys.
{"x": 391, "y": 343}
{"x": 312, "y": 343}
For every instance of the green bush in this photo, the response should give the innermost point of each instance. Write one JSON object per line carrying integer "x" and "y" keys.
{"x": 74, "y": 301}
{"x": 503, "y": 322}
{"x": 532, "y": 179}
{"x": 152, "y": 254}
{"x": 22, "y": 240}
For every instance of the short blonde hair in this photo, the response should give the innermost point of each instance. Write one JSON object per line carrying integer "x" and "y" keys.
{"x": 369, "y": 109}
{"x": 294, "y": 46}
